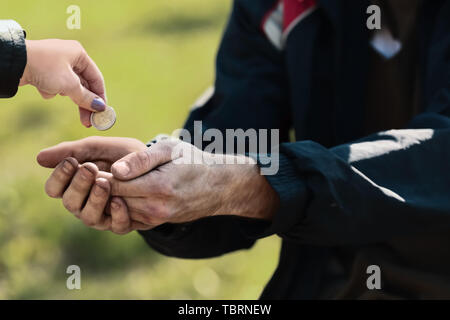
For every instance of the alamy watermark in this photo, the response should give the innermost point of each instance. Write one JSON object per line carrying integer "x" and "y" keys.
{"x": 374, "y": 20}
{"x": 73, "y": 282}
{"x": 247, "y": 146}
{"x": 374, "y": 280}
{"x": 74, "y": 20}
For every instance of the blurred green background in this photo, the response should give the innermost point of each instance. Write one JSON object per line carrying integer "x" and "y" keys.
{"x": 157, "y": 57}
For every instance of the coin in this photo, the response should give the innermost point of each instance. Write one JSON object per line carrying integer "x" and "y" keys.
{"x": 103, "y": 120}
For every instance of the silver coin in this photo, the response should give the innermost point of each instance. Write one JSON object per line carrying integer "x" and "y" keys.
{"x": 103, "y": 120}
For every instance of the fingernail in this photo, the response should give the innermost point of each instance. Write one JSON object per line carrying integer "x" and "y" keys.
{"x": 98, "y": 104}
{"x": 122, "y": 168}
{"x": 86, "y": 173}
{"x": 99, "y": 190}
{"x": 115, "y": 204}
{"x": 67, "y": 167}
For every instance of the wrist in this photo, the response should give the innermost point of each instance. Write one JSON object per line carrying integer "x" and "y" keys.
{"x": 25, "y": 79}
{"x": 248, "y": 193}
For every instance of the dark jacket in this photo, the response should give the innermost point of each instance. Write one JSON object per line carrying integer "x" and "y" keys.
{"x": 347, "y": 200}
{"x": 13, "y": 57}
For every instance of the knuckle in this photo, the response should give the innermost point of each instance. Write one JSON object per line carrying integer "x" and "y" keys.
{"x": 156, "y": 212}
{"x": 143, "y": 160}
{"x": 77, "y": 44}
{"x": 165, "y": 149}
{"x": 164, "y": 188}
{"x": 70, "y": 84}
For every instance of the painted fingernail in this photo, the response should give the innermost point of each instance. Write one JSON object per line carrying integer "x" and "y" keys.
{"x": 67, "y": 167}
{"x": 122, "y": 168}
{"x": 98, "y": 104}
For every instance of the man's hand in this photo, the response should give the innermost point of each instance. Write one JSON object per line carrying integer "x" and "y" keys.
{"x": 85, "y": 191}
{"x": 102, "y": 151}
{"x": 63, "y": 67}
{"x": 172, "y": 181}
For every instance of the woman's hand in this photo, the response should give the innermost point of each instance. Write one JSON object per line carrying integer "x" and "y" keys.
{"x": 63, "y": 67}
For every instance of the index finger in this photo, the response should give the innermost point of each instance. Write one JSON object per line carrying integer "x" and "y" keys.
{"x": 89, "y": 72}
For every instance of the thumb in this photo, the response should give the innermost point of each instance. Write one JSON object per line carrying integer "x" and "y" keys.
{"x": 85, "y": 98}
{"x": 138, "y": 163}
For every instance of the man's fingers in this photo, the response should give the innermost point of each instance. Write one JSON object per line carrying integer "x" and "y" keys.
{"x": 138, "y": 163}
{"x": 75, "y": 195}
{"x": 61, "y": 177}
{"x": 121, "y": 222}
{"x": 103, "y": 165}
{"x": 148, "y": 211}
{"x": 92, "y": 214}
{"x": 136, "y": 188}
{"x": 85, "y": 117}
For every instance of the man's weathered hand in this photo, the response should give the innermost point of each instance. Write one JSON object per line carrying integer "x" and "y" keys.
{"x": 172, "y": 181}
{"x": 84, "y": 189}
{"x": 86, "y": 192}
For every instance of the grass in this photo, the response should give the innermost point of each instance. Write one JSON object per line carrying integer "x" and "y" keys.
{"x": 157, "y": 57}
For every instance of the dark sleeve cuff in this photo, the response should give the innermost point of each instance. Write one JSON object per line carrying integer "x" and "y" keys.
{"x": 293, "y": 194}
{"x": 13, "y": 57}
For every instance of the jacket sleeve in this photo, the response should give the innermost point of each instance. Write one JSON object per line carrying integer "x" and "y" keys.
{"x": 13, "y": 57}
{"x": 389, "y": 185}
{"x": 249, "y": 93}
